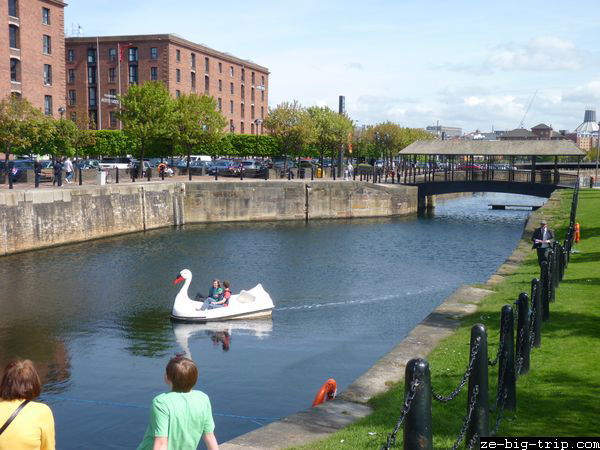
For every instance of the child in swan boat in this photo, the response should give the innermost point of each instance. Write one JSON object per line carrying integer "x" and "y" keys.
{"x": 217, "y": 296}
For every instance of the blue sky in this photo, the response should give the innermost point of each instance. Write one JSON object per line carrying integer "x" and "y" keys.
{"x": 474, "y": 64}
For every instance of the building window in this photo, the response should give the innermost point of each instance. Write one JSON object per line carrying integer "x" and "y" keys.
{"x": 133, "y": 54}
{"x": 206, "y": 83}
{"x": 178, "y": 75}
{"x": 262, "y": 95}
{"x": 13, "y": 36}
{"x": 262, "y": 112}
{"x": 242, "y": 92}
{"x": 193, "y": 80}
{"x": 70, "y": 55}
{"x": 252, "y": 95}
{"x": 231, "y": 72}
{"x": 48, "y": 105}
{"x": 113, "y": 93}
{"x": 252, "y": 112}
{"x": 113, "y": 119}
{"x": 93, "y": 118}
{"x": 112, "y": 54}
{"x": 13, "y": 8}
{"x": 251, "y": 127}
{"x": 72, "y": 98}
{"x": 193, "y": 62}
{"x": 15, "y": 70}
{"x": 243, "y": 74}
{"x": 231, "y": 106}
{"x": 220, "y": 85}
{"x": 71, "y": 76}
{"x": 47, "y": 74}
{"x": 92, "y": 97}
{"x": 220, "y": 68}
{"x": 178, "y": 55}
{"x": 206, "y": 65}
{"x": 47, "y": 45}
{"x": 177, "y": 93}
{"x": 133, "y": 74}
{"x": 231, "y": 126}
{"x": 252, "y": 77}
{"x": 112, "y": 75}
{"x": 45, "y": 16}
{"x": 242, "y": 110}
{"x": 220, "y": 104}
{"x": 262, "y": 80}
{"x": 231, "y": 88}
{"x": 91, "y": 56}
{"x": 154, "y": 53}
{"x": 242, "y": 127}
{"x": 74, "y": 117}
{"x": 91, "y": 74}
{"x": 154, "y": 73}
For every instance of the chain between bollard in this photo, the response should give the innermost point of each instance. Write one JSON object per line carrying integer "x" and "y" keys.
{"x": 463, "y": 381}
{"x": 500, "y": 346}
{"x": 519, "y": 357}
{"x": 467, "y": 421}
{"x": 391, "y": 439}
{"x": 532, "y": 327}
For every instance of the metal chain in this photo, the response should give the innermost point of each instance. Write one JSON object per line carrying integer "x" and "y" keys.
{"x": 532, "y": 327}
{"x": 467, "y": 421}
{"x": 500, "y": 344}
{"x": 520, "y": 358}
{"x": 391, "y": 439}
{"x": 465, "y": 378}
{"x": 473, "y": 441}
{"x": 500, "y": 411}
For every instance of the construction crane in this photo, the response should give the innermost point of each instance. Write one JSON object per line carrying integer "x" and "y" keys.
{"x": 527, "y": 110}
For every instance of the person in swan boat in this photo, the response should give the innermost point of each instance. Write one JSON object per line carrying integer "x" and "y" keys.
{"x": 215, "y": 297}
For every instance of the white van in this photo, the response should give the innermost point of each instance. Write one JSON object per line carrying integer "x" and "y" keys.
{"x": 204, "y": 158}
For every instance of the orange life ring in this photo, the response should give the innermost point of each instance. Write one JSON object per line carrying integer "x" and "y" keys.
{"x": 162, "y": 167}
{"x": 326, "y": 393}
{"x": 577, "y": 233}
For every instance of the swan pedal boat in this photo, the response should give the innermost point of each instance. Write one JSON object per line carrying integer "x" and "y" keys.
{"x": 251, "y": 304}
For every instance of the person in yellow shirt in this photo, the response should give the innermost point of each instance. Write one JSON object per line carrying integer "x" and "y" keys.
{"x": 32, "y": 428}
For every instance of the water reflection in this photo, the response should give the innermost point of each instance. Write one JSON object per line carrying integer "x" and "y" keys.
{"x": 220, "y": 333}
{"x": 147, "y": 332}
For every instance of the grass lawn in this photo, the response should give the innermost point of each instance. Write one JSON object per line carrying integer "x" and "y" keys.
{"x": 560, "y": 396}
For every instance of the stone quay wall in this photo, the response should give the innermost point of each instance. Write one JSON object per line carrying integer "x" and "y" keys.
{"x": 34, "y": 219}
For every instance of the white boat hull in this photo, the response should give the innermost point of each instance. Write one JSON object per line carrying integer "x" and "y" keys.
{"x": 252, "y": 315}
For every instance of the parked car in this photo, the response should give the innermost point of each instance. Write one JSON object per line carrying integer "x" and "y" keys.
{"x": 20, "y": 168}
{"x": 115, "y": 163}
{"x": 88, "y": 164}
{"x": 254, "y": 168}
{"x": 223, "y": 167}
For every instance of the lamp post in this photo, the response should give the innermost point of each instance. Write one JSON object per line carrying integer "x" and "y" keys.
{"x": 61, "y": 111}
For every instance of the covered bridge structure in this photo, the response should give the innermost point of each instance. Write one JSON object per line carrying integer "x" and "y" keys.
{"x": 443, "y": 167}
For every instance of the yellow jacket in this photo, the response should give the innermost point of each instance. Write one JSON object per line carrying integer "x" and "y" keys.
{"x": 32, "y": 429}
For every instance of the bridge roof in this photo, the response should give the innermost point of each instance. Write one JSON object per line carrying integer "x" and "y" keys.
{"x": 494, "y": 148}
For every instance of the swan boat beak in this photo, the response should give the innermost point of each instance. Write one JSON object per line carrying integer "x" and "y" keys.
{"x": 179, "y": 279}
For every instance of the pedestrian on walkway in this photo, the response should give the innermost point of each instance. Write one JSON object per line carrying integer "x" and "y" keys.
{"x": 179, "y": 418}
{"x": 57, "y": 173}
{"x": 69, "y": 170}
{"x": 543, "y": 238}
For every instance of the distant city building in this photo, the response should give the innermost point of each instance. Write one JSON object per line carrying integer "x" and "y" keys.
{"x": 483, "y": 136}
{"x": 101, "y": 68}
{"x": 587, "y": 132}
{"x": 443, "y": 132}
{"x": 32, "y": 59}
{"x": 519, "y": 134}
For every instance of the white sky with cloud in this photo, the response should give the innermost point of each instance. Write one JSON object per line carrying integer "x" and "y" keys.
{"x": 465, "y": 63}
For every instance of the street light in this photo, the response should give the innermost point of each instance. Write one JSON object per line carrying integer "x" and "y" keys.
{"x": 61, "y": 111}
{"x": 258, "y": 123}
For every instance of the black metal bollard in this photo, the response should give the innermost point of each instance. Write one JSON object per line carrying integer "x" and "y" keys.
{"x": 266, "y": 174}
{"x": 37, "y": 178}
{"x": 523, "y": 349}
{"x": 242, "y": 173}
{"x": 550, "y": 276}
{"x": 507, "y": 380}
{"x": 216, "y": 174}
{"x": 556, "y": 264}
{"x": 80, "y": 177}
{"x": 353, "y": 175}
{"x": 478, "y": 386}
{"x": 9, "y": 174}
{"x": 312, "y": 173}
{"x": 162, "y": 175}
{"x": 149, "y": 173}
{"x": 333, "y": 172}
{"x": 563, "y": 263}
{"x": 133, "y": 175}
{"x": 417, "y": 424}
{"x": 545, "y": 294}
{"x": 189, "y": 174}
{"x": 536, "y": 311}
{"x": 289, "y": 174}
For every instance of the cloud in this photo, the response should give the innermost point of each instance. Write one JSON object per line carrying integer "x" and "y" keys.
{"x": 354, "y": 66}
{"x": 589, "y": 92}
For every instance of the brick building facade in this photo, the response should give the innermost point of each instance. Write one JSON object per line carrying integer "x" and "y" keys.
{"x": 32, "y": 59}
{"x": 100, "y": 68}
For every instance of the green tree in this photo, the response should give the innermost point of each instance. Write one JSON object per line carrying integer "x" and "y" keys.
{"x": 15, "y": 113}
{"x": 332, "y": 130}
{"x": 197, "y": 123}
{"x": 147, "y": 113}
{"x": 291, "y": 124}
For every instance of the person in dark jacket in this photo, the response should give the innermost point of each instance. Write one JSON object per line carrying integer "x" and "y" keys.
{"x": 543, "y": 238}
{"x": 57, "y": 173}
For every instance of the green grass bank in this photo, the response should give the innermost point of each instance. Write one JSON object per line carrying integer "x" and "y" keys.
{"x": 560, "y": 396}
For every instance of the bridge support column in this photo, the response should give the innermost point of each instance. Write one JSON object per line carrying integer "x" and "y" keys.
{"x": 421, "y": 203}
{"x": 430, "y": 202}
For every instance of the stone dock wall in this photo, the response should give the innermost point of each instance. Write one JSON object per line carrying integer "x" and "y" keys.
{"x": 33, "y": 219}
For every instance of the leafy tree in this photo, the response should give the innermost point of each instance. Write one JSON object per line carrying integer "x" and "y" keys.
{"x": 15, "y": 112}
{"x": 197, "y": 122}
{"x": 294, "y": 128}
{"x": 147, "y": 113}
{"x": 332, "y": 130}
{"x": 41, "y": 134}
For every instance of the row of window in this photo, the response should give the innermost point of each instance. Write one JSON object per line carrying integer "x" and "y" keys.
{"x": 14, "y": 40}
{"x": 15, "y": 72}
{"x": 13, "y": 11}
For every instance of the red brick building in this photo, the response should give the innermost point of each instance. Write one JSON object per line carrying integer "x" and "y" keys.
{"x": 98, "y": 69}
{"x": 32, "y": 59}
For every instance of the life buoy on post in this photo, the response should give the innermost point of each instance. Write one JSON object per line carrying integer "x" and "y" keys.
{"x": 326, "y": 393}
{"x": 577, "y": 233}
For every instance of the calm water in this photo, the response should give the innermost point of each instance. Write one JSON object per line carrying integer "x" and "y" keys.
{"x": 95, "y": 316}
